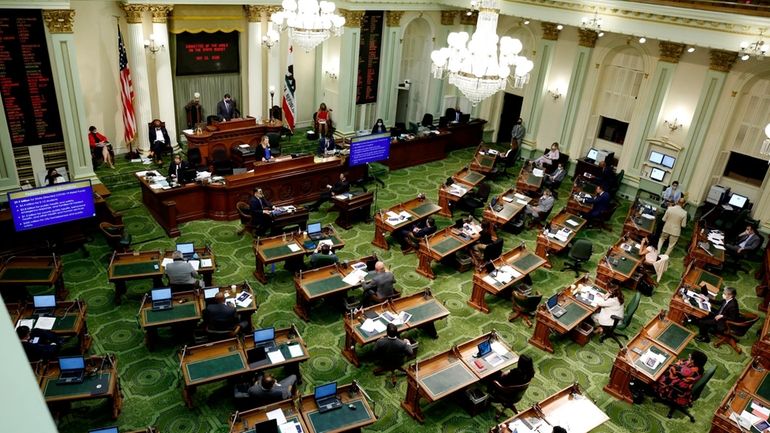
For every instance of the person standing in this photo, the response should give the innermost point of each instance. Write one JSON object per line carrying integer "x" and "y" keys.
{"x": 226, "y": 108}
{"x": 194, "y": 111}
{"x": 260, "y": 207}
{"x": 517, "y": 134}
{"x": 675, "y": 219}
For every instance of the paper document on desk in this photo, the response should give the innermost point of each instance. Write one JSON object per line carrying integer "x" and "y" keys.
{"x": 359, "y": 266}
{"x": 510, "y": 270}
{"x": 275, "y": 357}
{"x": 196, "y": 264}
{"x": 579, "y": 413}
{"x": 290, "y": 427}
{"x": 719, "y": 247}
{"x": 277, "y": 415}
{"x": 562, "y": 236}
{"x": 493, "y": 152}
{"x": 325, "y": 242}
{"x": 652, "y": 360}
{"x": 648, "y": 216}
{"x": 518, "y": 426}
{"x": 29, "y": 323}
{"x": 166, "y": 261}
{"x": 522, "y": 202}
{"x": 402, "y": 318}
{"x": 390, "y": 214}
{"x": 295, "y": 350}
{"x": 207, "y": 263}
{"x": 520, "y": 196}
{"x": 243, "y": 299}
{"x": 490, "y": 280}
{"x": 244, "y": 146}
{"x": 45, "y": 323}
{"x": 537, "y": 172}
{"x": 355, "y": 277}
{"x": 508, "y": 199}
{"x": 457, "y": 190}
{"x": 572, "y": 223}
{"x": 344, "y": 196}
{"x": 499, "y": 349}
{"x": 293, "y": 247}
{"x": 373, "y": 326}
{"x": 494, "y": 359}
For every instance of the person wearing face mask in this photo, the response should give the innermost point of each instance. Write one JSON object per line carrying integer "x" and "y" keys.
{"x": 159, "y": 140}
{"x": 379, "y": 127}
{"x": 671, "y": 195}
{"x": 226, "y": 108}
{"x": 517, "y": 133}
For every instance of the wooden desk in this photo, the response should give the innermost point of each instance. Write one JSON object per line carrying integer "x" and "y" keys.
{"x": 352, "y": 206}
{"x": 576, "y": 312}
{"x": 443, "y": 374}
{"x": 584, "y": 165}
{"x": 581, "y": 186}
{"x": 224, "y": 135}
{"x": 618, "y": 265}
{"x": 512, "y": 201}
{"x": 134, "y": 266}
{"x": 287, "y": 247}
{"x": 425, "y": 311}
{"x": 465, "y": 178}
{"x": 345, "y": 419}
{"x": 695, "y": 253}
{"x": 639, "y": 221}
{"x": 522, "y": 261}
{"x": 547, "y": 243}
{"x": 752, "y": 385}
{"x": 210, "y": 362}
{"x": 18, "y": 272}
{"x": 244, "y": 422}
{"x": 761, "y": 347}
{"x": 465, "y": 134}
{"x": 661, "y": 336}
{"x": 419, "y": 209}
{"x": 324, "y": 282}
{"x": 284, "y": 338}
{"x": 418, "y": 150}
{"x": 439, "y": 246}
{"x": 763, "y": 275}
{"x": 527, "y": 182}
{"x": 101, "y": 382}
{"x": 568, "y": 408}
{"x": 207, "y": 272}
{"x": 185, "y": 311}
{"x": 692, "y": 279}
{"x": 298, "y": 217}
{"x": 483, "y": 162}
{"x": 70, "y": 320}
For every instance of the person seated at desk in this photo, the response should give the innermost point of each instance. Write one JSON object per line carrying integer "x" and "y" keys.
{"x": 181, "y": 275}
{"x": 177, "y": 167}
{"x": 267, "y": 390}
{"x": 159, "y": 141}
{"x": 380, "y": 286}
{"x": 520, "y": 375}
{"x": 260, "y": 207}
{"x": 409, "y": 237}
{"x": 544, "y": 205}
{"x": 99, "y": 144}
{"x": 323, "y": 255}
{"x": 651, "y": 258}
{"x": 379, "y": 127}
{"x": 600, "y": 202}
{"x": 326, "y": 144}
{"x": 340, "y": 187}
{"x": 263, "y": 152}
{"x": 675, "y": 385}
{"x": 53, "y": 177}
{"x": 226, "y": 108}
{"x": 549, "y": 157}
{"x": 39, "y": 344}
{"x": 671, "y": 195}
{"x": 554, "y": 179}
{"x": 485, "y": 238}
{"x": 609, "y": 305}
{"x": 390, "y": 351}
{"x": 716, "y": 321}
{"x": 221, "y": 316}
{"x": 607, "y": 179}
{"x": 747, "y": 241}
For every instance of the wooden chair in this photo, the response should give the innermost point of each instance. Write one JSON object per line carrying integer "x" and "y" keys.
{"x": 217, "y": 335}
{"x": 736, "y": 329}
{"x": 525, "y": 306}
{"x": 116, "y": 236}
{"x": 244, "y": 212}
{"x": 696, "y": 391}
{"x": 507, "y": 396}
{"x": 618, "y": 323}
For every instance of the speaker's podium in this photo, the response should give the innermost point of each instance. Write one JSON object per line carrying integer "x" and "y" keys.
{"x": 221, "y": 137}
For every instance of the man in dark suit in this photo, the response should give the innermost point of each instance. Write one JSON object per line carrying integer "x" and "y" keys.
{"x": 716, "y": 321}
{"x": 391, "y": 351}
{"x": 177, "y": 167}
{"x": 747, "y": 241}
{"x": 226, "y": 108}
{"x": 600, "y": 202}
{"x": 409, "y": 237}
{"x": 220, "y": 316}
{"x": 39, "y": 344}
{"x": 159, "y": 140}
{"x": 266, "y": 389}
{"x": 339, "y": 187}
{"x": 261, "y": 217}
{"x": 380, "y": 286}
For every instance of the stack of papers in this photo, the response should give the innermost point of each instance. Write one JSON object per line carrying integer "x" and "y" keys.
{"x": 396, "y": 319}
{"x": 243, "y": 299}
{"x": 295, "y": 350}
{"x": 375, "y": 326}
{"x": 563, "y": 234}
{"x": 457, "y": 190}
{"x": 494, "y": 359}
{"x": 699, "y": 299}
{"x": 492, "y": 152}
{"x": 648, "y": 216}
{"x": 397, "y": 218}
{"x": 275, "y": 357}
{"x": 29, "y": 323}
{"x": 754, "y": 413}
{"x": 355, "y": 277}
{"x": 508, "y": 199}
{"x": 207, "y": 263}
{"x": 537, "y": 172}
{"x": 166, "y": 261}
{"x": 520, "y": 196}
{"x": 519, "y": 201}
{"x": 45, "y": 323}
{"x": 196, "y": 264}
{"x": 293, "y": 247}
{"x": 506, "y": 273}
{"x": 652, "y": 360}
{"x": 343, "y": 196}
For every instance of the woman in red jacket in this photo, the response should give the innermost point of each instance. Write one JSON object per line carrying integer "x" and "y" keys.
{"x": 98, "y": 141}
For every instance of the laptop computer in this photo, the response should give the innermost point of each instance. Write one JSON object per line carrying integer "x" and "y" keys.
{"x": 326, "y": 397}
{"x": 264, "y": 341}
{"x": 554, "y": 307}
{"x": 209, "y": 293}
{"x": 497, "y": 207}
{"x": 71, "y": 370}
{"x": 187, "y": 249}
{"x": 112, "y": 429}
{"x": 314, "y": 231}
{"x": 44, "y": 304}
{"x": 161, "y": 299}
{"x": 268, "y": 426}
{"x": 485, "y": 347}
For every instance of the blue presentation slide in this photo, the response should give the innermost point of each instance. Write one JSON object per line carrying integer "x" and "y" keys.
{"x": 51, "y": 205}
{"x": 369, "y": 148}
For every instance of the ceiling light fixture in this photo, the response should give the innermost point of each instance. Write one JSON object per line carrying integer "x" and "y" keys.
{"x": 593, "y": 24}
{"x": 757, "y": 49}
{"x": 309, "y": 22}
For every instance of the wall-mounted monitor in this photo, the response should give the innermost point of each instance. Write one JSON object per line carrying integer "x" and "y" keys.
{"x": 369, "y": 148}
{"x": 738, "y": 201}
{"x": 668, "y": 161}
{"x": 657, "y": 174}
{"x": 49, "y": 205}
{"x": 656, "y": 157}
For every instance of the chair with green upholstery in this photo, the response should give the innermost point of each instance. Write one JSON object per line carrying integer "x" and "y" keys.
{"x": 697, "y": 390}
{"x": 579, "y": 253}
{"x": 621, "y": 323}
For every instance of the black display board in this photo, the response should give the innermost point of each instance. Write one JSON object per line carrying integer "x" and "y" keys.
{"x": 26, "y": 80}
{"x": 369, "y": 57}
{"x": 207, "y": 53}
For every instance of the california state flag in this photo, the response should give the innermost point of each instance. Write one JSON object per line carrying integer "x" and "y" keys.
{"x": 289, "y": 104}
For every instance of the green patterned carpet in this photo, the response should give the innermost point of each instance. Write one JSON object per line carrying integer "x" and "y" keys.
{"x": 151, "y": 380}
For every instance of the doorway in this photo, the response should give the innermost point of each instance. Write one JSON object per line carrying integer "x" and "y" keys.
{"x": 508, "y": 116}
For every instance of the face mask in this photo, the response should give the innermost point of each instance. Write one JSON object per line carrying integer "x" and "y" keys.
{"x": 519, "y": 122}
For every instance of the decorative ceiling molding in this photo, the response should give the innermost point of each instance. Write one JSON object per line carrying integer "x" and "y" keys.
{"x": 59, "y": 20}
{"x": 670, "y": 52}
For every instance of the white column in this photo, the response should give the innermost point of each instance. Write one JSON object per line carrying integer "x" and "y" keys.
{"x": 69, "y": 94}
{"x": 138, "y": 64}
{"x": 256, "y": 89}
{"x": 391, "y": 59}
{"x": 274, "y": 75}
{"x": 165, "y": 90}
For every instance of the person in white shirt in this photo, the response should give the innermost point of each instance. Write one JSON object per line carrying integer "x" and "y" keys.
{"x": 159, "y": 140}
{"x": 610, "y": 305}
{"x": 550, "y": 156}
{"x": 672, "y": 194}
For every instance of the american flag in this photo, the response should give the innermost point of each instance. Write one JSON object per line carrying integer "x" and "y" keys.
{"x": 126, "y": 92}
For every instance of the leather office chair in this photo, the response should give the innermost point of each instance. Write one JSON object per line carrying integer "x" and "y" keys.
{"x": 507, "y": 396}
{"x": 427, "y": 120}
{"x": 323, "y": 260}
{"x": 618, "y": 323}
{"x": 217, "y": 335}
{"x": 493, "y": 250}
{"x": 541, "y": 218}
{"x": 580, "y": 253}
{"x": 736, "y": 329}
{"x": 618, "y": 182}
{"x": 275, "y": 143}
{"x": 525, "y": 306}
{"x": 696, "y": 391}
{"x": 116, "y": 236}
{"x": 392, "y": 364}
{"x": 501, "y": 168}
{"x": 475, "y": 200}
{"x": 244, "y": 213}
{"x": 222, "y": 164}
{"x": 604, "y": 220}
{"x": 378, "y": 300}
{"x": 194, "y": 158}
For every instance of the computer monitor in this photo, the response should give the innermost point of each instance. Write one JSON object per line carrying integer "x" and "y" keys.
{"x": 44, "y": 301}
{"x": 553, "y": 301}
{"x": 465, "y": 118}
{"x": 592, "y": 154}
{"x": 71, "y": 363}
{"x": 188, "y": 175}
{"x": 264, "y": 335}
{"x": 484, "y": 347}
{"x": 656, "y": 157}
{"x": 314, "y": 227}
{"x": 657, "y": 174}
{"x": 186, "y": 248}
{"x": 327, "y": 390}
{"x": 161, "y": 294}
{"x": 112, "y": 429}
{"x": 738, "y": 201}
{"x": 269, "y": 426}
{"x": 668, "y": 161}
{"x": 210, "y": 292}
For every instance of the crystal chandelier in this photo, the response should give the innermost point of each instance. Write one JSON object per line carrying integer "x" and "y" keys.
{"x": 756, "y": 49}
{"x": 593, "y": 23}
{"x": 309, "y": 22}
{"x": 472, "y": 63}
{"x": 764, "y": 150}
